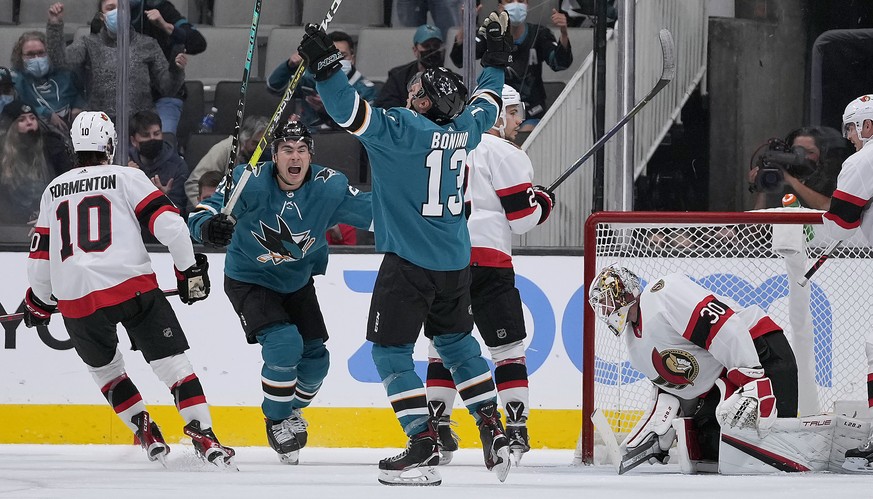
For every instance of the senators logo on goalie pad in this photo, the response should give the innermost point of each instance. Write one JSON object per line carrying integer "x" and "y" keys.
{"x": 676, "y": 368}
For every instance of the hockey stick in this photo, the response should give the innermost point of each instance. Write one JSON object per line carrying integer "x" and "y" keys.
{"x": 241, "y": 106}
{"x": 274, "y": 121}
{"x": 19, "y": 316}
{"x": 817, "y": 265}
{"x": 668, "y": 71}
{"x": 601, "y": 425}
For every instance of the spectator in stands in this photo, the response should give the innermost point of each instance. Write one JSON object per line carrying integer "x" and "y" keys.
{"x": 583, "y": 14}
{"x": 825, "y": 149}
{"x": 207, "y": 184}
{"x": 7, "y": 87}
{"x": 97, "y": 56}
{"x": 31, "y": 156}
{"x": 312, "y": 112}
{"x": 54, "y": 93}
{"x": 534, "y": 45}
{"x": 216, "y": 159}
{"x": 157, "y": 158}
{"x": 429, "y": 52}
{"x": 411, "y": 13}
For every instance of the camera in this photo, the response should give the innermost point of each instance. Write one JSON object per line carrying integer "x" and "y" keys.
{"x": 778, "y": 159}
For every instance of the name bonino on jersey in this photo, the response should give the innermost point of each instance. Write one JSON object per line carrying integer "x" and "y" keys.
{"x": 449, "y": 140}
{"x": 84, "y": 185}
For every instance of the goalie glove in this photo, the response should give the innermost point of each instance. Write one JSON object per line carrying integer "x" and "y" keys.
{"x": 498, "y": 40}
{"x": 321, "y": 55}
{"x": 193, "y": 282}
{"x": 747, "y": 400}
{"x": 36, "y": 311}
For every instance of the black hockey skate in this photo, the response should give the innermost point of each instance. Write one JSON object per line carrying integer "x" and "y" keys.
{"x": 149, "y": 436}
{"x": 494, "y": 442}
{"x": 414, "y": 466}
{"x": 516, "y": 430}
{"x": 288, "y": 436}
{"x": 207, "y": 446}
{"x": 860, "y": 459}
{"x": 447, "y": 439}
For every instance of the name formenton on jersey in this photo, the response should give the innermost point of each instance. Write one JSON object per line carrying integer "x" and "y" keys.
{"x": 84, "y": 185}
{"x": 449, "y": 140}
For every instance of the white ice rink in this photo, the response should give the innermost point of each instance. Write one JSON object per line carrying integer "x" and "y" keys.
{"x": 122, "y": 472}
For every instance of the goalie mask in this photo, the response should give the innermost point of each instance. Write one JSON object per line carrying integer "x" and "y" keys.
{"x": 93, "y": 131}
{"x": 510, "y": 97}
{"x": 856, "y": 113}
{"x": 612, "y": 293}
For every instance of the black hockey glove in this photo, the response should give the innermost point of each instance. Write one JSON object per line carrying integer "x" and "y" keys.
{"x": 217, "y": 231}
{"x": 321, "y": 55}
{"x": 546, "y": 200}
{"x": 498, "y": 40}
{"x": 36, "y": 312}
{"x": 193, "y": 283}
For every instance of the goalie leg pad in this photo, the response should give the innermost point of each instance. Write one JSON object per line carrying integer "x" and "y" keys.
{"x": 849, "y": 434}
{"x": 688, "y": 449}
{"x": 793, "y": 444}
{"x": 652, "y": 437}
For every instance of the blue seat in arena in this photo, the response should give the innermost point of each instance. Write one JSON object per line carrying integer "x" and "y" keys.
{"x": 380, "y": 49}
{"x": 259, "y": 102}
{"x": 237, "y": 13}
{"x": 360, "y": 12}
{"x": 224, "y": 57}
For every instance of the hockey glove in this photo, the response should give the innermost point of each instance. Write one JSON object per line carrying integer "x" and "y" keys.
{"x": 546, "y": 200}
{"x": 498, "y": 40}
{"x": 36, "y": 312}
{"x": 193, "y": 282}
{"x": 218, "y": 230}
{"x": 321, "y": 55}
{"x": 751, "y": 405}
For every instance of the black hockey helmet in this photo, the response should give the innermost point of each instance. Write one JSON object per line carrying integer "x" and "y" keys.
{"x": 446, "y": 92}
{"x": 293, "y": 130}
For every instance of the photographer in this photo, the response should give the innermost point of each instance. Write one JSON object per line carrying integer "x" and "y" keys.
{"x": 806, "y": 163}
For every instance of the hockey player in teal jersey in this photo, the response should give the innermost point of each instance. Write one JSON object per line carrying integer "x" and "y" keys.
{"x": 417, "y": 156}
{"x": 276, "y": 244}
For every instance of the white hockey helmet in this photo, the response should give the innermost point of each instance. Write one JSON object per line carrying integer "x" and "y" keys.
{"x": 94, "y": 131}
{"x": 510, "y": 97}
{"x": 611, "y": 295}
{"x": 856, "y": 112}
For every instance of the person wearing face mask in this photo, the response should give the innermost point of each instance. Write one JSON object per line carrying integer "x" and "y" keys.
{"x": 55, "y": 94}
{"x": 534, "y": 45}
{"x": 156, "y": 158}
{"x": 7, "y": 87}
{"x": 96, "y": 56}
{"x": 429, "y": 52}
{"x": 310, "y": 108}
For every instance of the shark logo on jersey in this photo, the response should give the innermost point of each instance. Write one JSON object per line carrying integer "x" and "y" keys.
{"x": 676, "y": 368}
{"x": 281, "y": 244}
{"x": 325, "y": 174}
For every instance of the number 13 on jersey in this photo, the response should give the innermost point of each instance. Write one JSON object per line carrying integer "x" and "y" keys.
{"x": 433, "y": 207}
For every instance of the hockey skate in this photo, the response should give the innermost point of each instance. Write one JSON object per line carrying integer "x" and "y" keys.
{"x": 447, "y": 439}
{"x": 860, "y": 459}
{"x": 149, "y": 436}
{"x": 414, "y": 466}
{"x": 288, "y": 436}
{"x": 494, "y": 442}
{"x": 516, "y": 430}
{"x": 207, "y": 446}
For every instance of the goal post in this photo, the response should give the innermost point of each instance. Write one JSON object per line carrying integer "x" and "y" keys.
{"x": 753, "y": 258}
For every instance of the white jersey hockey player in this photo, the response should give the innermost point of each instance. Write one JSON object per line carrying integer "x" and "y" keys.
{"x": 848, "y": 213}
{"x": 501, "y": 201}
{"x": 687, "y": 341}
{"x": 87, "y": 260}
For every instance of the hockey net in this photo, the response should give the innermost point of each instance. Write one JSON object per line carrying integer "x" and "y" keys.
{"x": 753, "y": 258}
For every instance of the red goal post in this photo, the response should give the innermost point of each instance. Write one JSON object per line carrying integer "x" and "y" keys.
{"x": 752, "y": 258}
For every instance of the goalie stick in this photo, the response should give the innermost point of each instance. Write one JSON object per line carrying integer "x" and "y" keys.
{"x": 19, "y": 316}
{"x": 817, "y": 265}
{"x": 601, "y": 425}
{"x": 274, "y": 121}
{"x": 668, "y": 71}
{"x": 241, "y": 106}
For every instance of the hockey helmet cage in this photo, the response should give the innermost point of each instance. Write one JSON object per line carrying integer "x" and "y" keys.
{"x": 93, "y": 131}
{"x": 611, "y": 295}
{"x": 447, "y": 94}
{"x": 293, "y": 130}
{"x": 510, "y": 97}
{"x": 856, "y": 112}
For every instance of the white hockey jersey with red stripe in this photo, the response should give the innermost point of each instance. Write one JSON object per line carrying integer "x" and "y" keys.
{"x": 852, "y": 196}
{"x": 686, "y": 337}
{"x": 87, "y": 250}
{"x": 501, "y": 200}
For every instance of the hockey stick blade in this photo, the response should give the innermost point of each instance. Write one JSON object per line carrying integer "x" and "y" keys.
{"x": 637, "y": 456}
{"x": 602, "y": 427}
{"x": 817, "y": 265}
{"x": 19, "y": 316}
{"x": 274, "y": 121}
{"x": 668, "y": 72}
